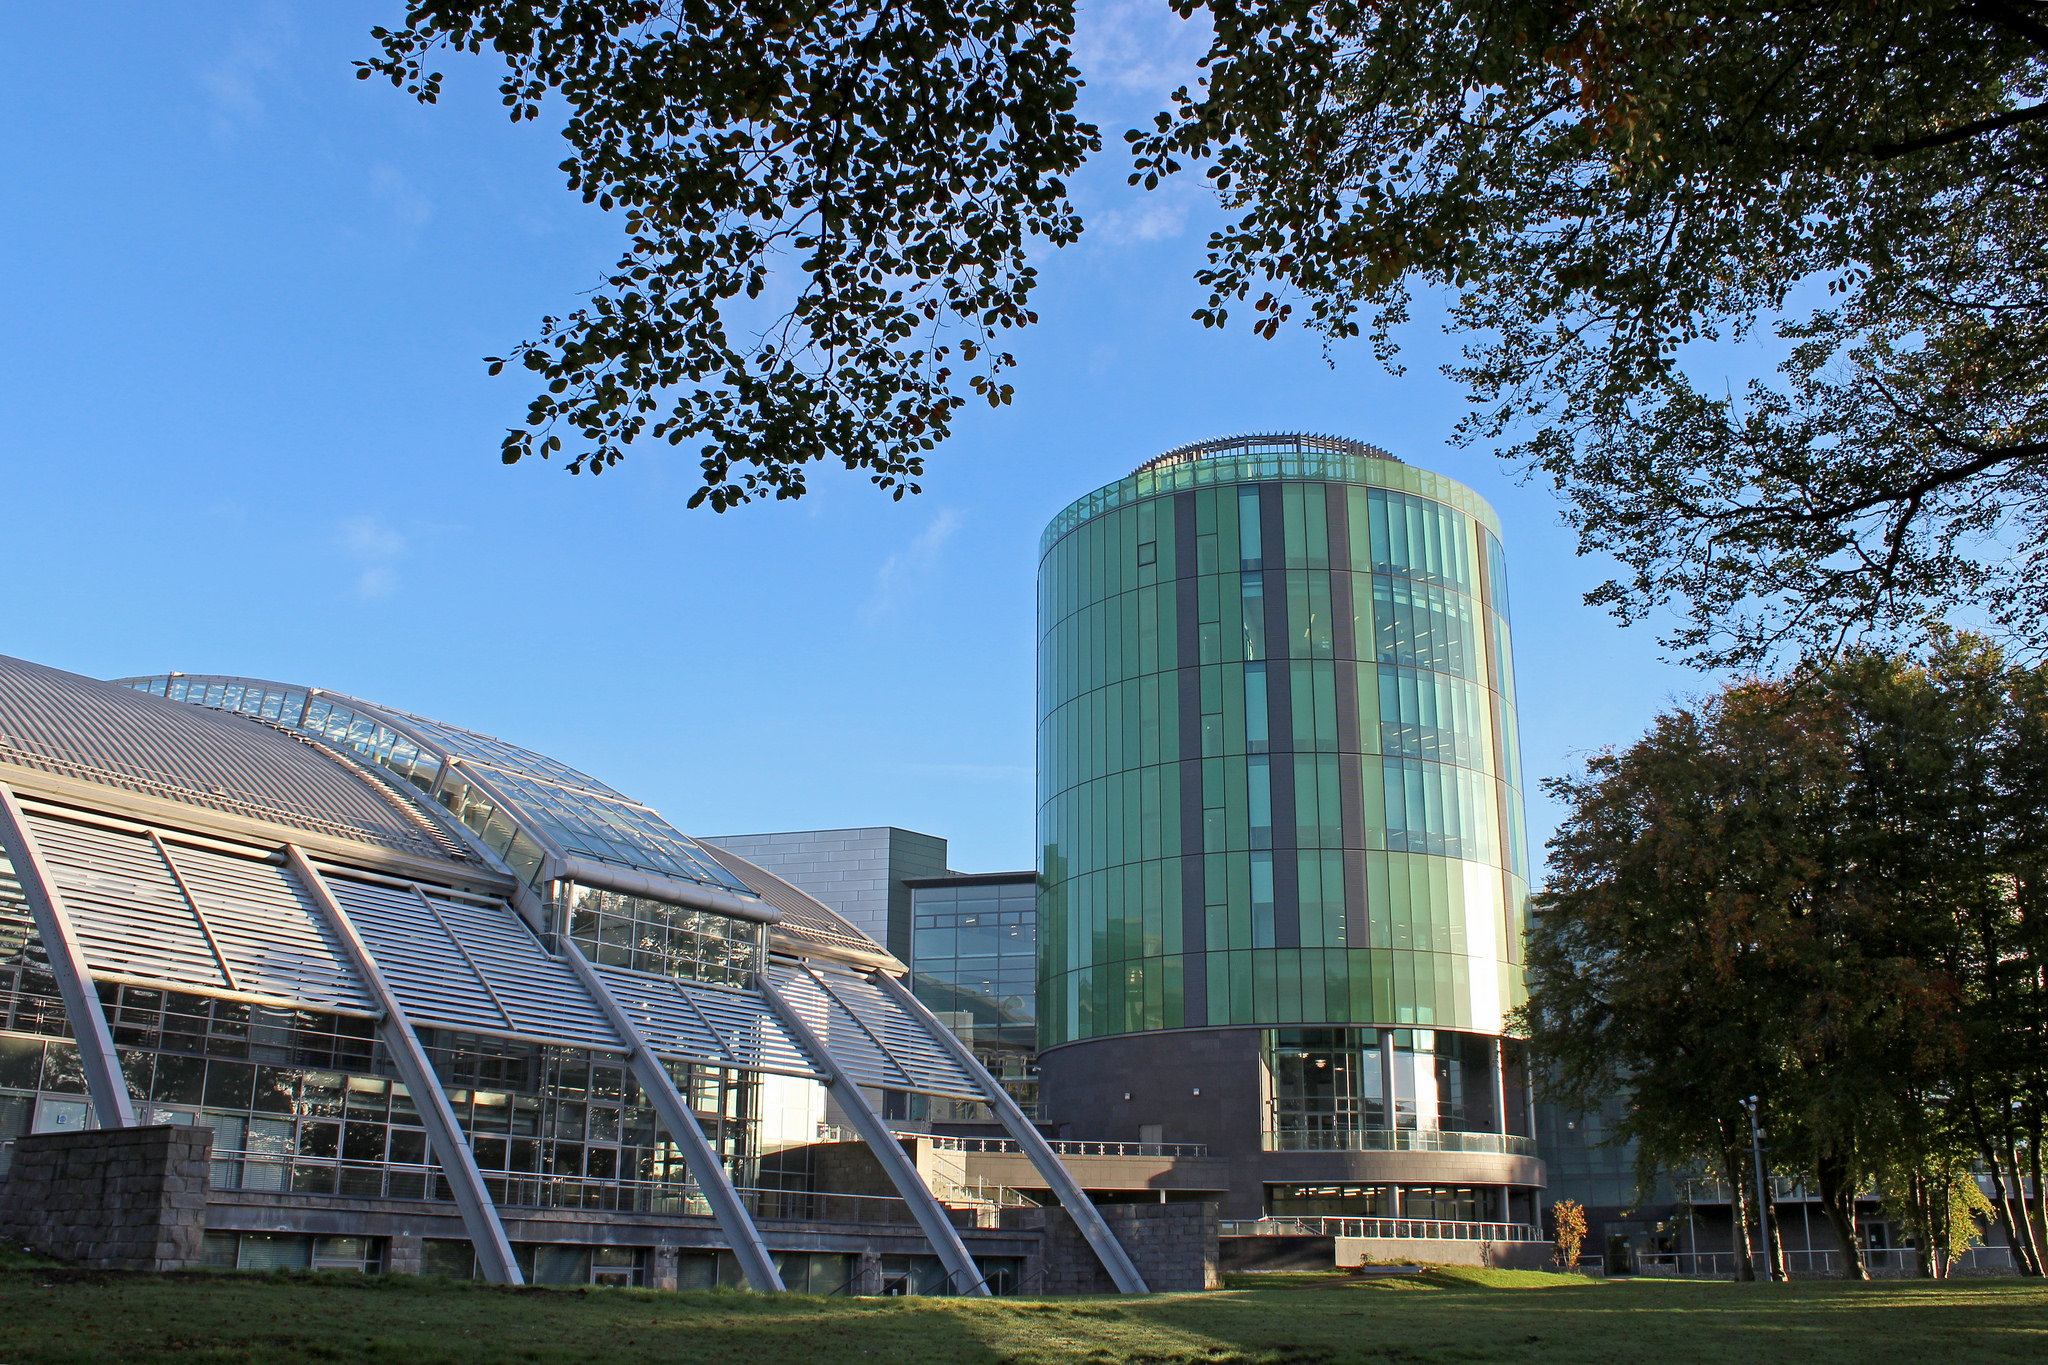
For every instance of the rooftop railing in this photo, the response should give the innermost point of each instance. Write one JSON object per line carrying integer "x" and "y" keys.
{"x": 1402, "y": 1229}
{"x": 1395, "y": 1140}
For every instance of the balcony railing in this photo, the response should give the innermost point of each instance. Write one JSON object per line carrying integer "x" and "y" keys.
{"x": 1011, "y": 1147}
{"x": 1396, "y": 1140}
{"x": 1404, "y": 1229}
{"x": 267, "y": 1173}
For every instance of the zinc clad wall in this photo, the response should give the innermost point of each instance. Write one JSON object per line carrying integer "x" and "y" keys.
{"x": 1278, "y": 772}
{"x": 860, "y": 874}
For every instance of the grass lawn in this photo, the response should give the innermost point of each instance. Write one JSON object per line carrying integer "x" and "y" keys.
{"x": 1446, "y": 1316}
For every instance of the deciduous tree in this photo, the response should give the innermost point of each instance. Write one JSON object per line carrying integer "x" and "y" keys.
{"x": 1600, "y": 185}
{"x": 877, "y": 168}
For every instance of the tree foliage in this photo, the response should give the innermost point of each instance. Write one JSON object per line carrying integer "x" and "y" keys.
{"x": 1935, "y": 1195}
{"x": 1823, "y": 890}
{"x": 882, "y": 164}
{"x": 1568, "y": 1218}
{"x": 1602, "y": 184}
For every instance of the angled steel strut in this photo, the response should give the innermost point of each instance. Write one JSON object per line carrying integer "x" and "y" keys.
{"x": 1072, "y": 1197}
{"x": 931, "y": 1216}
{"x": 682, "y": 1125}
{"x": 458, "y": 1163}
{"x": 103, "y": 1078}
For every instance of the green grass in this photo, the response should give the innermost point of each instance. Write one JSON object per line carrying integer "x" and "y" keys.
{"x": 19, "y": 1258}
{"x": 1447, "y": 1315}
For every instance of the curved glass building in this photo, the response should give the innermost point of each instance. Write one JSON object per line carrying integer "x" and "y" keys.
{"x": 1283, "y": 869}
{"x": 447, "y": 1004}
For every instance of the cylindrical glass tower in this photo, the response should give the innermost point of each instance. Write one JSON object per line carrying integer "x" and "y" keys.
{"x": 1280, "y": 813}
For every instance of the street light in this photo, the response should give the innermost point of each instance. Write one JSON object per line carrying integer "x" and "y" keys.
{"x": 1763, "y": 1192}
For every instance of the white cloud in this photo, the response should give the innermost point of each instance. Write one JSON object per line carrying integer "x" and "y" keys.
{"x": 390, "y": 187}
{"x": 1138, "y": 47}
{"x": 376, "y": 549}
{"x": 1154, "y": 220}
{"x": 901, "y": 572}
{"x": 233, "y": 81}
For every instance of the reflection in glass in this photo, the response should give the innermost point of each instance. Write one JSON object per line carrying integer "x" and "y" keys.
{"x": 654, "y": 936}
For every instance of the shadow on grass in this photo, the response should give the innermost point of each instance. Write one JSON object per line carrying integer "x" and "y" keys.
{"x": 70, "y": 1317}
{"x": 1455, "y": 1315}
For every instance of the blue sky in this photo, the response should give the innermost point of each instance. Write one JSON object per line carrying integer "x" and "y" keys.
{"x": 249, "y": 432}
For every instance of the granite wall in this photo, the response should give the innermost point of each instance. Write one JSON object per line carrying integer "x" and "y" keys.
{"x": 110, "y": 1198}
{"x": 1174, "y": 1246}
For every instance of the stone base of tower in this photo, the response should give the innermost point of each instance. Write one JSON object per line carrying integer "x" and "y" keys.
{"x": 1208, "y": 1086}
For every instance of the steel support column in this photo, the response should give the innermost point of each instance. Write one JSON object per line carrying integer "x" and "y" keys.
{"x": 682, "y": 1125}
{"x": 1072, "y": 1197}
{"x": 930, "y": 1215}
{"x": 103, "y": 1078}
{"x": 486, "y": 1234}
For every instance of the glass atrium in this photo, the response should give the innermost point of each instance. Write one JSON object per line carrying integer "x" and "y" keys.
{"x": 444, "y": 1003}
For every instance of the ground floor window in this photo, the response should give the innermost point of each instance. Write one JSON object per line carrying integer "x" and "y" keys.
{"x": 914, "y": 1275}
{"x": 543, "y": 1263}
{"x": 294, "y": 1251}
{"x": 802, "y": 1272}
{"x": 441, "y": 1256}
{"x": 1330, "y": 1201}
{"x": 1438, "y": 1203}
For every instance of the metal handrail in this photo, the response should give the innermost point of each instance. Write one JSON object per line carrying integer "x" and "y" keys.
{"x": 518, "y": 1189}
{"x": 1403, "y": 1229}
{"x": 980, "y": 1191}
{"x": 1396, "y": 1140}
{"x": 1011, "y": 1147}
{"x": 1824, "y": 1261}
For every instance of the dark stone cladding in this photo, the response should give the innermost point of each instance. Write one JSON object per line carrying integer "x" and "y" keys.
{"x": 1173, "y": 1246}
{"x": 110, "y": 1199}
{"x": 1279, "y": 717}
{"x": 1350, "y": 775}
{"x": 1082, "y": 1085}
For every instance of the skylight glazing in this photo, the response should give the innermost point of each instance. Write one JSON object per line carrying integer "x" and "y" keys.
{"x": 611, "y": 830}
{"x": 582, "y": 815}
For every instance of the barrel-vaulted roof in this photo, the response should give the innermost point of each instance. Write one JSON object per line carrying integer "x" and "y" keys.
{"x": 108, "y": 735}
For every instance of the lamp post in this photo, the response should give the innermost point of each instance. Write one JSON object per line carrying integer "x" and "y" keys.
{"x": 1763, "y": 1190}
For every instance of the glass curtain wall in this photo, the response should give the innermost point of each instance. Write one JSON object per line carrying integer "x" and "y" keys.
{"x": 645, "y": 935}
{"x": 307, "y": 1102}
{"x": 1326, "y": 1088}
{"x": 974, "y": 964}
{"x": 1278, "y": 772}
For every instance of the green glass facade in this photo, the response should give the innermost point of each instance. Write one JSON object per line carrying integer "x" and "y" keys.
{"x": 1278, "y": 773}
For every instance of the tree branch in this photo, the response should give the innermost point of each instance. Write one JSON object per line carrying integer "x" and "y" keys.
{"x": 1886, "y": 151}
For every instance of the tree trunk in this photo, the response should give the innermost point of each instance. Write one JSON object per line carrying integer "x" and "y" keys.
{"x": 2028, "y": 1239}
{"x": 2039, "y": 1218}
{"x": 1738, "y": 1209}
{"x": 1777, "y": 1238}
{"x": 2001, "y": 1202}
{"x": 1838, "y": 1199}
{"x": 2001, "y": 1207}
{"x": 1935, "y": 1217}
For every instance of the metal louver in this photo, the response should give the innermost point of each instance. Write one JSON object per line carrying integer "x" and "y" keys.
{"x": 875, "y": 1039}
{"x": 457, "y": 964}
{"x": 246, "y": 930}
{"x": 697, "y": 1023}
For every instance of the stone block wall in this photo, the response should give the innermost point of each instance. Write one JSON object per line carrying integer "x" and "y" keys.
{"x": 1355, "y": 1251}
{"x": 1174, "y": 1246}
{"x": 110, "y": 1198}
